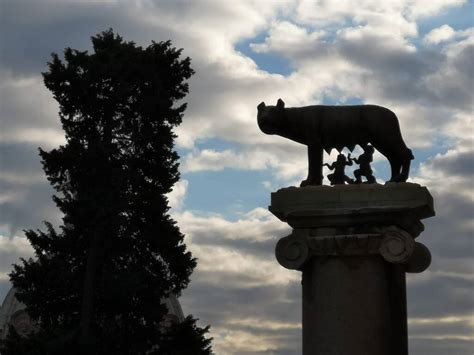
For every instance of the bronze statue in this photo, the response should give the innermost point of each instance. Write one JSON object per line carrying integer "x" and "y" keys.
{"x": 339, "y": 177}
{"x": 326, "y": 127}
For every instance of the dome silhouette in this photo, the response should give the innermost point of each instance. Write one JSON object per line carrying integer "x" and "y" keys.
{"x": 13, "y": 312}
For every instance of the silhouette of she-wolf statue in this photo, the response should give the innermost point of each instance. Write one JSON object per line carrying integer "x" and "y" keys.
{"x": 327, "y": 127}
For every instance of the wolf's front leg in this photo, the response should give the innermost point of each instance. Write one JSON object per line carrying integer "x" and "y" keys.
{"x": 315, "y": 165}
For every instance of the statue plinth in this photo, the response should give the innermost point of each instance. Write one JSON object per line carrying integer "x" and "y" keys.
{"x": 354, "y": 244}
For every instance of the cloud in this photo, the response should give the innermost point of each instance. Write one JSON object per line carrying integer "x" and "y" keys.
{"x": 440, "y": 346}
{"x": 425, "y": 87}
{"x": 418, "y": 10}
{"x": 377, "y": 14}
{"x": 440, "y": 34}
{"x": 452, "y": 82}
{"x": 459, "y": 127}
{"x": 11, "y": 249}
{"x": 237, "y": 270}
{"x": 26, "y": 207}
{"x": 29, "y": 115}
{"x": 212, "y": 160}
{"x": 454, "y": 162}
{"x": 450, "y": 174}
{"x": 257, "y": 225}
{"x": 287, "y": 38}
{"x": 457, "y": 339}
{"x": 449, "y": 236}
{"x": 177, "y": 196}
{"x": 269, "y": 314}
{"x": 25, "y": 194}
{"x": 286, "y": 159}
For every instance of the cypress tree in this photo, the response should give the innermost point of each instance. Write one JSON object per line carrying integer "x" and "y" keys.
{"x": 96, "y": 286}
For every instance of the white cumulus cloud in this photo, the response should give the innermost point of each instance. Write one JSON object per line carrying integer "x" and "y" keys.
{"x": 440, "y": 34}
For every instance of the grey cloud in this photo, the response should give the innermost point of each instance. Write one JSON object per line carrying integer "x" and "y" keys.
{"x": 221, "y": 304}
{"x": 439, "y": 296}
{"x": 287, "y": 341}
{"x": 403, "y": 74}
{"x": 427, "y": 76}
{"x": 7, "y": 258}
{"x": 33, "y": 206}
{"x": 213, "y": 93}
{"x": 379, "y": 53}
{"x": 32, "y": 30}
{"x": 20, "y": 158}
{"x": 449, "y": 234}
{"x": 263, "y": 302}
{"x": 448, "y": 241}
{"x": 27, "y": 105}
{"x": 447, "y": 289}
{"x": 23, "y": 181}
{"x": 461, "y": 164}
{"x": 455, "y": 86}
{"x": 464, "y": 63}
{"x": 440, "y": 346}
{"x": 439, "y": 328}
{"x": 262, "y": 249}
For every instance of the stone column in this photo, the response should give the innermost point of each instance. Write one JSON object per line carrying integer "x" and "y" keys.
{"x": 354, "y": 244}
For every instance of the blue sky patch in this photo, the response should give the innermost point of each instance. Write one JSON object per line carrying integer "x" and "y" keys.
{"x": 270, "y": 62}
{"x": 216, "y": 144}
{"x": 332, "y": 100}
{"x": 459, "y": 18}
{"x": 233, "y": 192}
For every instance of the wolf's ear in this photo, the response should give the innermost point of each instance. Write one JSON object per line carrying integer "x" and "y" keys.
{"x": 280, "y": 104}
{"x": 262, "y": 105}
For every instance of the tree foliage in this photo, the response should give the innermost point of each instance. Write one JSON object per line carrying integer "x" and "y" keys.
{"x": 98, "y": 281}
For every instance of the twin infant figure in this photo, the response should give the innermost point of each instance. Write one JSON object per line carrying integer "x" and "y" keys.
{"x": 364, "y": 160}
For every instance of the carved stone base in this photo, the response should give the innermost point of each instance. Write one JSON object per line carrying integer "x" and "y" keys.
{"x": 354, "y": 244}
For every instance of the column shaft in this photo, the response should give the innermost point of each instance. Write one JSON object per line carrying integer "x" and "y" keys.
{"x": 348, "y": 307}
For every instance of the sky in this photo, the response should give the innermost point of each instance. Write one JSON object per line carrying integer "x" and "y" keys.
{"x": 412, "y": 56}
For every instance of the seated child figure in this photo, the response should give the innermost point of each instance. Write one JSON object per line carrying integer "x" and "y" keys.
{"x": 339, "y": 177}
